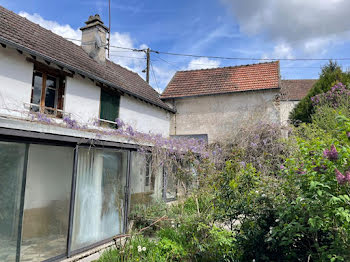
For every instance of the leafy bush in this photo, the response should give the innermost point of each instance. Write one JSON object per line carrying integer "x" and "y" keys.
{"x": 330, "y": 75}
{"x": 143, "y": 215}
{"x": 261, "y": 198}
{"x": 328, "y": 104}
{"x": 138, "y": 248}
{"x": 302, "y": 212}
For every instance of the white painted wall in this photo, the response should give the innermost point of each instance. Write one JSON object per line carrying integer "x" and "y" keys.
{"x": 220, "y": 116}
{"x": 82, "y": 99}
{"x": 286, "y": 107}
{"x": 15, "y": 82}
{"x": 144, "y": 117}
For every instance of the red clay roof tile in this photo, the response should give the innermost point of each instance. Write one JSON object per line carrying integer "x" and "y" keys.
{"x": 223, "y": 80}
{"x": 296, "y": 90}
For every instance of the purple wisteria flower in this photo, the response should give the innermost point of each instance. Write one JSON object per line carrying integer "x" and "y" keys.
{"x": 130, "y": 131}
{"x": 43, "y": 118}
{"x": 340, "y": 177}
{"x": 333, "y": 97}
{"x": 119, "y": 122}
{"x": 70, "y": 123}
{"x": 331, "y": 154}
{"x": 347, "y": 176}
{"x": 242, "y": 163}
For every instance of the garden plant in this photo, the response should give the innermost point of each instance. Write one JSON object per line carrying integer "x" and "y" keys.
{"x": 263, "y": 196}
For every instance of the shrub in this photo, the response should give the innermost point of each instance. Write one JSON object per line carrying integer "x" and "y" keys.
{"x": 328, "y": 104}
{"x": 138, "y": 248}
{"x": 330, "y": 75}
{"x": 263, "y": 198}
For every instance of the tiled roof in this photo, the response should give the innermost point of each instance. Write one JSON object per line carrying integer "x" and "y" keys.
{"x": 34, "y": 39}
{"x": 223, "y": 80}
{"x": 295, "y": 90}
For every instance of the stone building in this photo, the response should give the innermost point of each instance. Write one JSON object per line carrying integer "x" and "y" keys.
{"x": 292, "y": 91}
{"x": 215, "y": 102}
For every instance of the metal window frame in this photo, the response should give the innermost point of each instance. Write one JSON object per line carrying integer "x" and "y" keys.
{"x": 71, "y": 252}
{"x": 72, "y": 200}
{"x": 30, "y": 137}
{"x": 21, "y": 206}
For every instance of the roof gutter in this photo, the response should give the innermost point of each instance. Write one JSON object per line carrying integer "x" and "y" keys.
{"x": 72, "y": 68}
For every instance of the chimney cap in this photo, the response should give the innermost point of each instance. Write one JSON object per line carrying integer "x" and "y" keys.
{"x": 93, "y": 18}
{"x": 93, "y": 21}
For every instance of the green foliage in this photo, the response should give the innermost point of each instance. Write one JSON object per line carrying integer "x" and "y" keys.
{"x": 301, "y": 213}
{"x": 188, "y": 235}
{"x": 330, "y": 75}
{"x": 138, "y": 248}
{"x": 273, "y": 200}
{"x": 143, "y": 215}
{"x": 316, "y": 223}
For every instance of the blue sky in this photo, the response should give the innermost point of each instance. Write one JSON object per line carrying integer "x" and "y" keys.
{"x": 230, "y": 28}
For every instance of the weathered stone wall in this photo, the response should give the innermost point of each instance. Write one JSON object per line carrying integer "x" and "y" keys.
{"x": 286, "y": 108}
{"x": 220, "y": 116}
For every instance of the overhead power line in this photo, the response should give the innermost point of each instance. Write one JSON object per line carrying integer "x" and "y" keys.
{"x": 248, "y": 58}
{"x": 224, "y": 57}
{"x": 154, "y": 75}
{"x": 131, "y": 57}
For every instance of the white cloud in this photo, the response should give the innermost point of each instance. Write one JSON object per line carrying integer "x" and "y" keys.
{"x": 65, "y": 31}
{"x": 317, "y": 45}
{"x": 201, "y": 63}
{"x": 281, "y": 50}
{"x": 134, "y": 61}
{"x": 311, "y": 25}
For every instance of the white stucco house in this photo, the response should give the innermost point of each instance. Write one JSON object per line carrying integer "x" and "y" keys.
{"x": 64, "y": 191}
{"x": 214, "y": 103}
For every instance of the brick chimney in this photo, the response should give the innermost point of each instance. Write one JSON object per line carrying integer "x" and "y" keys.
{"x": 93, "y": 39}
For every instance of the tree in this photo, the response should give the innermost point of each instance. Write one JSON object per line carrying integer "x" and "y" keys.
{"x": 331, "y": 74}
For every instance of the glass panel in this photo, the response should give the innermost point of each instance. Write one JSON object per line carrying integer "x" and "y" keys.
{"x": 46, "y": 204}
{"x": 145, "y": 181}
{"x": 11, "y": 173}
{"x": 99, "y": 201}
{"x": 51, "y": 82}
{"x": 171, "y": 185}
{"x": 37, "y": 86}
{"x": 50, "y": 98}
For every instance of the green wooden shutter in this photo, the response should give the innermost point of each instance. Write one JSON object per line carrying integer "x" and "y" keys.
{"x": 109, "y": 106}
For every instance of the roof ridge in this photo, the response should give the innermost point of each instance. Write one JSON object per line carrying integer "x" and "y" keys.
{"x": 237, "y": 66}
{"x": 299, "y": 79}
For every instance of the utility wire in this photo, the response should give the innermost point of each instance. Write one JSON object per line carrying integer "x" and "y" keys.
{"x": 142, "y": 58}
{"x": 120, "y": 47}
{"x": 154, "y": 76}
{"x": 247, "y": 58}
{"x": 223, "y": 57}
{"x": 174, "y": 66}
{"x": 170, "y": 63}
